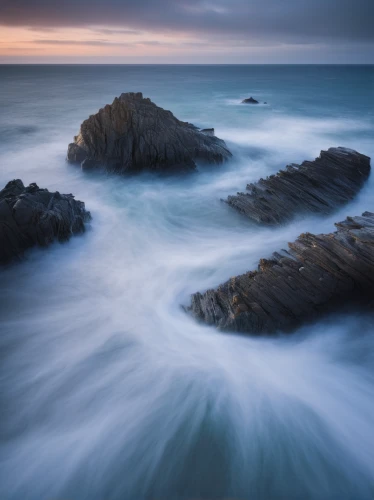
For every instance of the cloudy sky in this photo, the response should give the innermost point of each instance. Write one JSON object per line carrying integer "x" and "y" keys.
{"x": 187, "y": 31}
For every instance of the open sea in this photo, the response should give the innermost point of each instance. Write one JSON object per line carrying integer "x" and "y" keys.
{"x": 108, "y": 390}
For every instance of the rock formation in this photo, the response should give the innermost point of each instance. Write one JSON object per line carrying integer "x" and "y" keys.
{"x": 318, "y": 186}
{"x": 250, "y": 100}
{"x": 133, "y": 134}
{"x": 317, "y": 272}
{"x": 32, "y": 216}
{"x": 207, "y": 131}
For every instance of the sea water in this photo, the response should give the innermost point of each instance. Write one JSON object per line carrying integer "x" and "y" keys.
{"x": 109, "y": 391}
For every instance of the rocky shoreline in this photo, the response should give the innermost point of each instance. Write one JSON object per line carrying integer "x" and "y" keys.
{"x": 296, "y": 285}
{"x": 31, "y": 216}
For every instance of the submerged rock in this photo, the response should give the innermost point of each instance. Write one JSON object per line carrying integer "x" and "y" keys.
{"x": 318, "y": 186}
{"x": 133, "y": 134}
{"x": 250, "y": 100}
{"x": 317, "y": 272}
{"x": 32, "y": 216}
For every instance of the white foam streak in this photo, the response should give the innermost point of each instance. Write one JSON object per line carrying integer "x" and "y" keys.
{"x": 111, "y": 391}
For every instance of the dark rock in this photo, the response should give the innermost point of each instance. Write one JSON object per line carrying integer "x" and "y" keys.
{"x": 133, "y": 134}
{"x": 319, "y": 186}
{"x": 76, "y": 154}
{"x": 32, "y": 216}
{"x": 317, "y": 272}
{"x": 250, "y": 100}
{"x": 208, "y": 131}
{"x": 89, "y": 164}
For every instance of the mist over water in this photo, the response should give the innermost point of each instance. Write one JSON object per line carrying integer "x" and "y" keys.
{"x": 108, "y": 390}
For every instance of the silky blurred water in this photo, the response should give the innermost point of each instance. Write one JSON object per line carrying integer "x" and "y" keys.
{"x": 108, "y": 390}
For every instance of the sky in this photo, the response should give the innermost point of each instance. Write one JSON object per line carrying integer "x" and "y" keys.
{"x": 187, "y": 31}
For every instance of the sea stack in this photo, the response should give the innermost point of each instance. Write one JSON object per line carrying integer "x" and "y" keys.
{"x": 318, "y": 186}
{"x": 32, "y": 216}
{"x": 133, "y": 134}
{"x": 317, "y": 273}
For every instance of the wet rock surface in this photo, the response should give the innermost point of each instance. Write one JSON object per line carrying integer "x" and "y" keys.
{"x": 208, "y": 131}
{"x": 32, "y": 216}
{"x": 250, "y": 100}
{"x": 314, "y": 274}
{"x": 318, "y": 186}
{"x": 133, "y": 134}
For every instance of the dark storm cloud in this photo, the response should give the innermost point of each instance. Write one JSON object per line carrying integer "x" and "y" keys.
{"x": 288, "y": 21}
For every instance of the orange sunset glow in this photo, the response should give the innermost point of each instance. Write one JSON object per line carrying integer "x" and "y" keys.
{"x": 95, "y": 41}
{"x": 197, "y": 31}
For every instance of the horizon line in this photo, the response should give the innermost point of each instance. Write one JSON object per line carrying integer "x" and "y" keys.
{"x": 182, "y": 64}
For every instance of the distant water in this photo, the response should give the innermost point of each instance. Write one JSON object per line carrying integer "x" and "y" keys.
{"x": 108, "y": 391}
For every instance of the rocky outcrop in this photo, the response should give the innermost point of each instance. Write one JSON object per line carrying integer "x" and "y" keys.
{"x": 32, "y": 216}
{"x": 133, "y": 134}
{"x": 318, "y": 186}
{"x": 208, "y": 131}
{"x": 250, "y": 100}
{"x": 315, "y": 274}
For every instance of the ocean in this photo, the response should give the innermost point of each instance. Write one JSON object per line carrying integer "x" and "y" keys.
{"x": 109, "y": 391}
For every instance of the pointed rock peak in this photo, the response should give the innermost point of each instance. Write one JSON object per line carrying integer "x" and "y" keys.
{"x": 134, "y": 134}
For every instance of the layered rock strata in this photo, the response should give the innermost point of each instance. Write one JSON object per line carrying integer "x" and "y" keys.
{"x": 316, "y": 273}
{"x": 133, "y": 134}
{"x": 318, "y": 186}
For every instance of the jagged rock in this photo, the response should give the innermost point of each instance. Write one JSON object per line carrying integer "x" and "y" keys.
{"x": 318, "y": 186}
{"x": 32, "y": 216}
{"x": 250, "y": 100}
{"x": 208, "y": 131}
{"x": 133, "y": 134}
{"x": 317, "y": 272}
